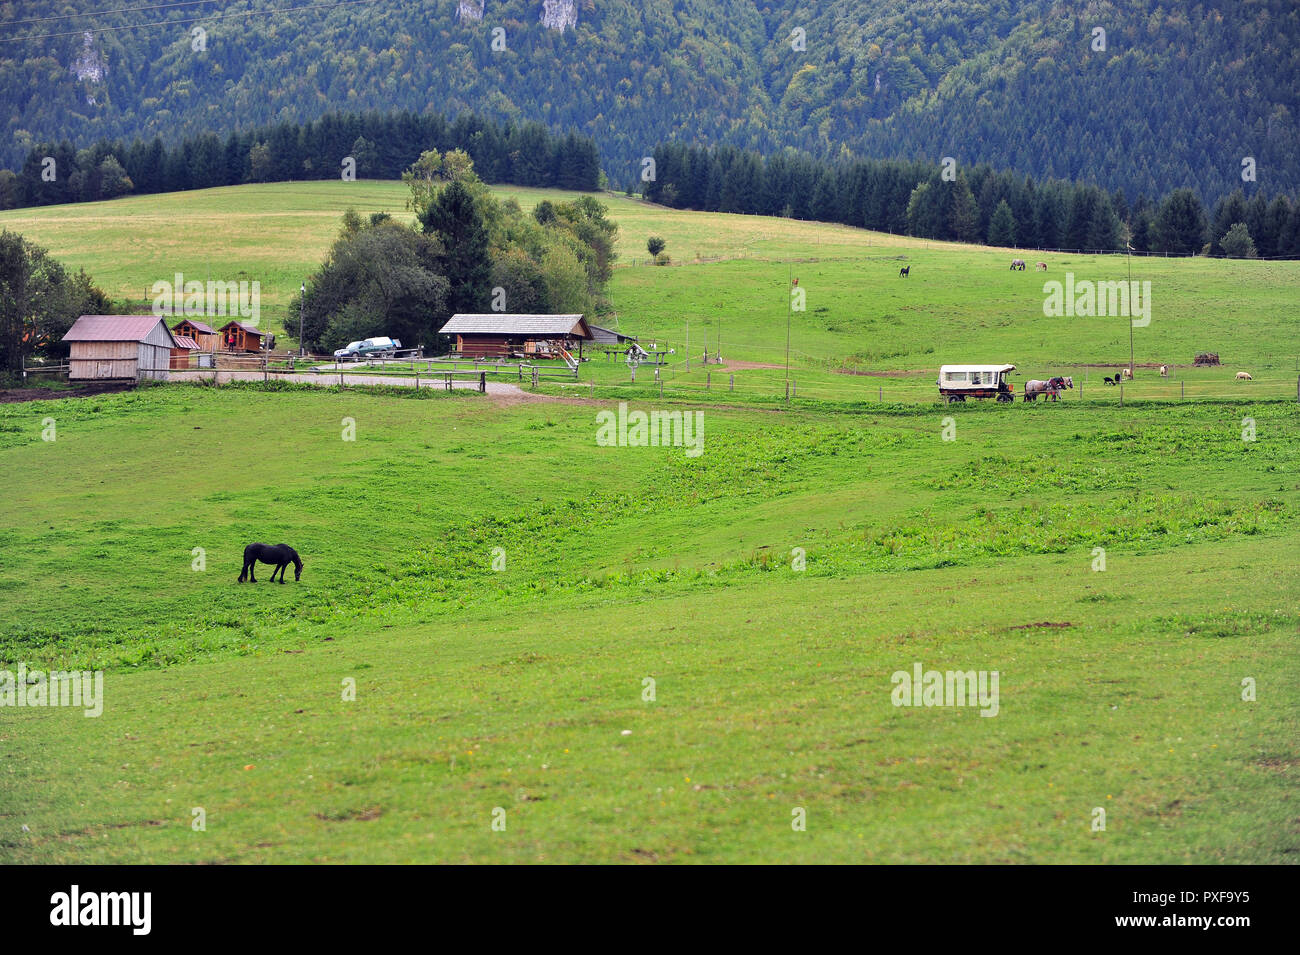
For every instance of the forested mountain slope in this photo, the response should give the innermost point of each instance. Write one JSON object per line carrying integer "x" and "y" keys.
{"x": 1178, "y": 97}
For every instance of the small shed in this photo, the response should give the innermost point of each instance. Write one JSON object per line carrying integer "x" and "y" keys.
{"x": 185, "y": 347}
{"x": 607, "y": 336}
{"x": 504, "y": 335}
{"x": 106, "y": 347}
{"x": 236, "y": 336}
{"x": 205, "y": 335}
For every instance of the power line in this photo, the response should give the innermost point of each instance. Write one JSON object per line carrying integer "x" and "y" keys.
{"x": 104, "y": 13}
{"x": 212, "y": 16}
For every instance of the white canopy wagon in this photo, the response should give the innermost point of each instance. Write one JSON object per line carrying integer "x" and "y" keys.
{"x": 959, "y": 382}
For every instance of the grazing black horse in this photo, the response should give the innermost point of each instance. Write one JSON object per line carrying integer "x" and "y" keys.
{"x": 282, "y": 555}
{"x": 903, "y": 272}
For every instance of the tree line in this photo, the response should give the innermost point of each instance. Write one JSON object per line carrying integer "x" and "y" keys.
{"x": 1176, "y": 94}
{"x": 379, "y": 145}
{"x": 976, "y": 204}
{"x": 467, "y": 251}
{"x": 39, "y": 301}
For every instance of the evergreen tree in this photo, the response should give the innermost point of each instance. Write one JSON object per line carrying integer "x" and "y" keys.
{"x": 453, "y": 217}
{"x": 1180, "y": 225}
{"x": 1002, "y": 226}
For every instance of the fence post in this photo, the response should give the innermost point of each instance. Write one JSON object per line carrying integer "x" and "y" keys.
{"x": 708, "y": 381}
{"x": 482, "y": 382}
{"x": 1182, "y": 389}
{"x": 880, "y": 393}
{"x": 1121, "y": 394}
{"x": 661, "y": 387}
{"x": 731, "y": 384}
{"x": 416, "y": 369}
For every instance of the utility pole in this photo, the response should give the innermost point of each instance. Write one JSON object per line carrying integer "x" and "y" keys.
{"x": 1130, "y": 318}
{"x": 789, "y": 314}
{"x": 302, "y": 304}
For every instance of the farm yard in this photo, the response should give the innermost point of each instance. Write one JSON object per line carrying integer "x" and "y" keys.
{"x": 499, "y": 587}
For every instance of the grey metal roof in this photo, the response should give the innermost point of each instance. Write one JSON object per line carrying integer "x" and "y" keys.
{"x": 114, "y": 328}
{"x": 184, "y": 341}
{"x": 504, "y": 323}
{"x": 602, "y": 334}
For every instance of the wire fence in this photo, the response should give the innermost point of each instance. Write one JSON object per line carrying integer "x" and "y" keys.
{"x": 707, "y": 376}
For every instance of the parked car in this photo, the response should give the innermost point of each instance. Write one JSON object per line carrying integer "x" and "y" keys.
{"x": 380, "y": 347}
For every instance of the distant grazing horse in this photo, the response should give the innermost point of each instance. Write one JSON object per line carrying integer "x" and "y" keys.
{"x": 1017, "y": 264}
{"x": 902, "y": 273}
{"x": 1041, "y": 265}
{"x": 1244, "y": 376}
{"x": 282, "y": 555}
{"x": 1164, "y": 371}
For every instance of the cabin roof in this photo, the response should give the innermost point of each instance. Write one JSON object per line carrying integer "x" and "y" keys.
{"x": 115, "y": 328}
{"x": 248, "y": 328}
{"x": 199, "y": 327}
{"x": 505, "y": 323}
{"x": 184, "y": 341}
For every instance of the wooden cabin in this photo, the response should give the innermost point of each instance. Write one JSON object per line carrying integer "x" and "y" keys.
{"x": 204, "y": 335}
{"x": 109, "y": 347}
{"x": 236, "y": 336}
{"x": 503, "y": 335}
{"x": 181, "y": 354}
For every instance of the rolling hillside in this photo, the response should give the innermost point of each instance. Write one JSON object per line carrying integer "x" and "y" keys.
{"x": 729, "y": 279}
{"x": 1016, "y": 85}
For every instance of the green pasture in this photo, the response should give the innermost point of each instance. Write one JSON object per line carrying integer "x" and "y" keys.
{"x": 729, "y": 289}
{"x": 499, "y": 588}
{"x": 523, "y": 688}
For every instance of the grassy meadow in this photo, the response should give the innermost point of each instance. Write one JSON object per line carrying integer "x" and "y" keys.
{"x": 632, "y": 654}
{"x": 728, "y": 289}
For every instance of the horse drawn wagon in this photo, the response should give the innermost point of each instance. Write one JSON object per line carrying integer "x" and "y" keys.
{"x": 959, "y": 382}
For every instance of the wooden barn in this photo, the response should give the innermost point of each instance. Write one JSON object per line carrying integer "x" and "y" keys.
{"x": 236, "y": 336}
{"x": 105, "y": 347}
{"x": 504, "y": 335}
{"x": 181, "y": 354}
{"x": 204, "y": 335}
